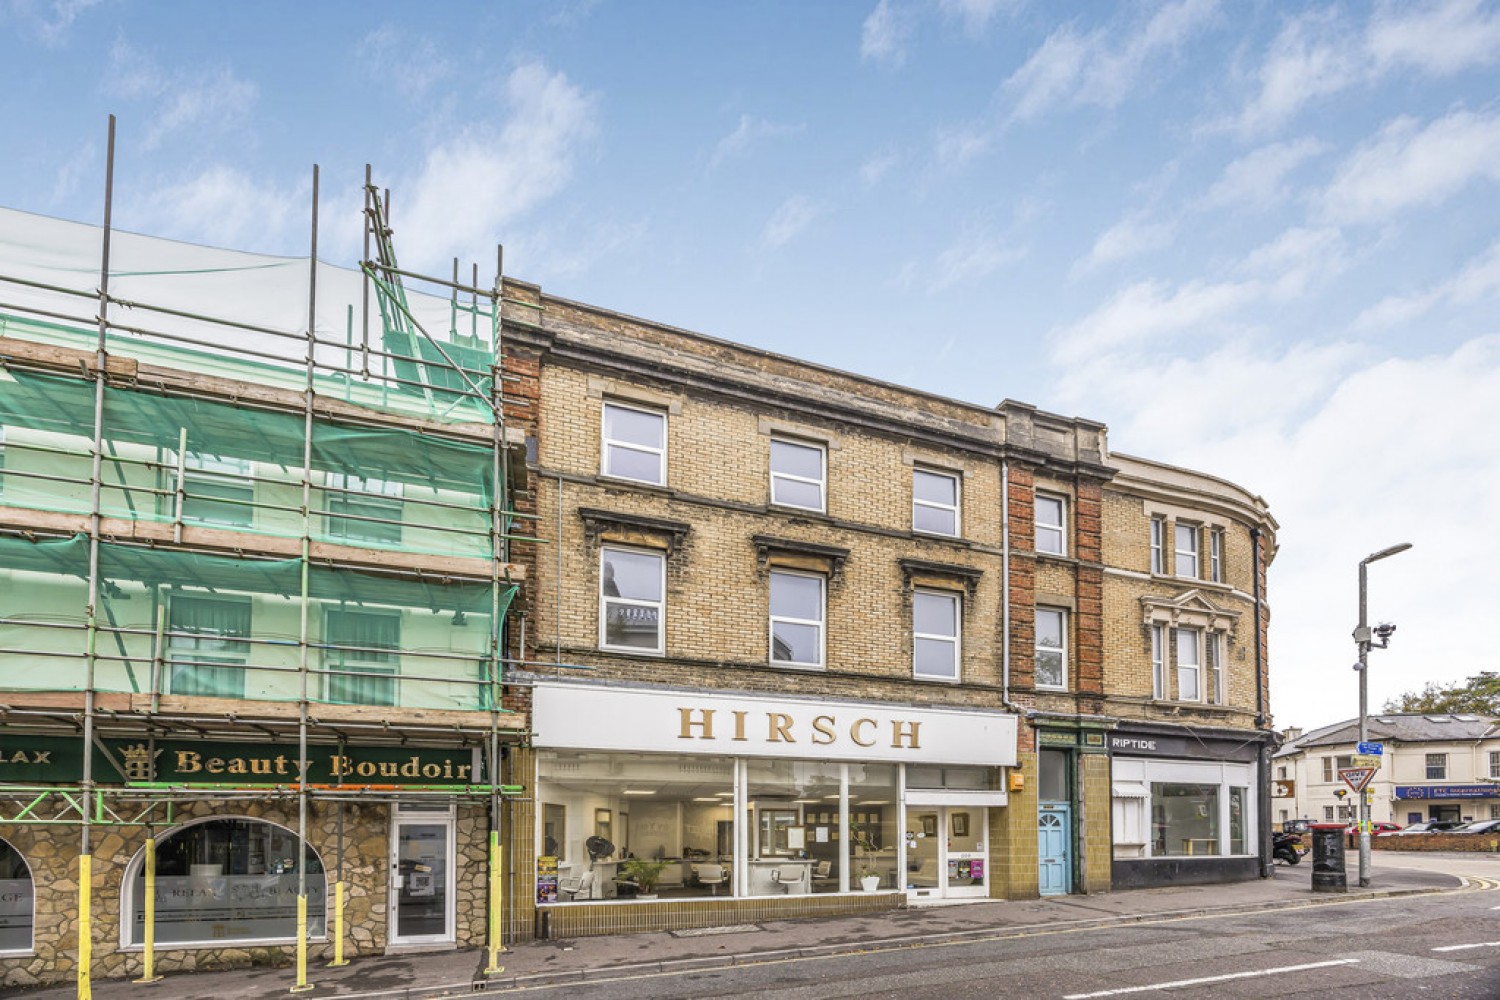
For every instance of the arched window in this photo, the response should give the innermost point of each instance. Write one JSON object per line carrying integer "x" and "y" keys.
{"x": 224, "y": 880}
{"x": 17, "y": 902}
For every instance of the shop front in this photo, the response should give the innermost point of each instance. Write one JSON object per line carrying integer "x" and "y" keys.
{"x": 1450, "y": 803}
{"x": 1185, "y": 806}
{"x": 674, "y": 795}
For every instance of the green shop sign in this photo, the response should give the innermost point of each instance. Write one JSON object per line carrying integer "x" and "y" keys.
{"x": 52, "y": 759}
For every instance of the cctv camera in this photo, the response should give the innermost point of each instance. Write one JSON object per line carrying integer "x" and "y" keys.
{"x": 1385, "y": 630}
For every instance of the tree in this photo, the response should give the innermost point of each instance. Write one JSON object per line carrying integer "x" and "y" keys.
{"x": 1479, "y": 694}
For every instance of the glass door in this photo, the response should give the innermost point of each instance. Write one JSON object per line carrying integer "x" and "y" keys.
{"x": 946, "y": 856}
{"x": 422, "y": 880}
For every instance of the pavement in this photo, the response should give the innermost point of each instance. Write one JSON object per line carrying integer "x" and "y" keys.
{"x": 552, "y": 963}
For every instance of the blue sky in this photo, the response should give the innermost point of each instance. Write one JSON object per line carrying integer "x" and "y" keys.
{"x": 1256, "y": 239}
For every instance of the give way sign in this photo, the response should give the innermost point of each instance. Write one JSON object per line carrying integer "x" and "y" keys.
{"x": 1357, "y": 777}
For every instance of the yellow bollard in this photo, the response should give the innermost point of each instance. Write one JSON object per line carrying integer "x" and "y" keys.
{"x": 496, "y": 945}
{"x": 148, "y": 974}
{"x": 338, "y": 927}
{"x": 302, "y": 984}
{"x": 85, "y": 935}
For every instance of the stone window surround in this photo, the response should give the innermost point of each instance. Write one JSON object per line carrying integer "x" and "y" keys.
{"x": 1206, "y": 523}
{"x": 1191, "y": 610}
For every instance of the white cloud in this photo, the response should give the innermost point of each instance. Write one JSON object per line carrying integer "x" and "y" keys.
{"x": 1320, "y": 54}
{"x": 488, "y": 175}
{"x": 570, "y": 249}
{"x": 885, "y": 33}
{"x": 790, "y": 220}
{"x": 974, "y": 15}
{"x": 1130, "y": 237}
{"x": 875, "y": 169}
{"x": 958, "y": 147}
{"x": 225, "y": 207}
{"x": 1438, "y": 38}
{"x": 1149, "y": 311}
{"x": 48, "y": 20}
{"x": 192, "y": 100}
{"x": 1105, "y": 66}
{"x": 975, "y": 255}
{"x": 748, "y": 132}
{"x": 1479, "y": 280}
{"x": 1257, "y": 180}
{"x": 1408, "y": 165}
{"x": 1297, "y": 259}
{"x": 71, "y": 172}
{"x": 413, "y": 64}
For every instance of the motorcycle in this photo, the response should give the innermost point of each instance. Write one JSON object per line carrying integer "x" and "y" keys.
{"x": 1286, "y": 848}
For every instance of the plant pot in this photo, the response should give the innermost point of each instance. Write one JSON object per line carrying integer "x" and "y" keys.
{"x": 869, "y": 883}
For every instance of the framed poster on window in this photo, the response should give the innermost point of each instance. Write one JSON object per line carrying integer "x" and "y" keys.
{"x": 960, "y": 824}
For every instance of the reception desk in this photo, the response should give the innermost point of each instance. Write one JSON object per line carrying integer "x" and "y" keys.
{"x": 795, "y": 876}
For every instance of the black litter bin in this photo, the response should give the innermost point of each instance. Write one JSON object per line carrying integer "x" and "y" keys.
{"x": 1328, "y": 858}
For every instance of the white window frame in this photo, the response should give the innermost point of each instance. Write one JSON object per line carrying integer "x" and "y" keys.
{"x": 820, "y": 622}
{"x": 1159, "y": 545}
{"x": 607, "y": 443}
{"x": 955, "y": 640}
{"x": 1216, "y": 555}
{"x": 605, "y": 600}
{"x": 1495, "y": 763}
{"x": 30, "y": 948}
{"x": 1213, "y": 666}
{"x": 1159, "y": 662}
{"x": 1328, "y": 775}
{"x": 1427, "y": 766}
{"x": 1183, "y": 668}
{"x": 1052, "y": 529}
{"x": 954, "y": 508}
{"x": 367, "y": 661}
{"x": 233, "y": 473}
{"x": 1192, "y": 555}
{"x": 821, "y": 482}
{"x": 1062, "y": 623}
{"x": 347, "y": 492}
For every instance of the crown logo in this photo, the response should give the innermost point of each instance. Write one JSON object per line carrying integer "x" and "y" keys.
{"x": 138, "y": 760}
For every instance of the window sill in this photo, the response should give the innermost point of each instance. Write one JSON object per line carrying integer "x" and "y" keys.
{"x": 1051, "y": 689}
{"x": 1057, "y": 557}
{"x": 627, "y": 651}
{"x": 803, "y": 668}
{"x": 287, "y": 942}
{"x": 605, "y": 479}
{"x": 936, "y": 680}
{"x": 791, "y": 508}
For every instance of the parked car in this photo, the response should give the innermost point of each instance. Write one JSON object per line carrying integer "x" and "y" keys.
{"x": 1480, "y": 826}
{"x": 1427, "y": 826}
{"x": 1377, "y": 827}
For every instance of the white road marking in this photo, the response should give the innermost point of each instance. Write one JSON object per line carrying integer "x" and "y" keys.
{"x": 1462, "y": 947}
{"x": 1211, "y": 979}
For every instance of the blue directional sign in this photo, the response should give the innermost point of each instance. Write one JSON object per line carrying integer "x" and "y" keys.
{"x": 1372, "y": 748}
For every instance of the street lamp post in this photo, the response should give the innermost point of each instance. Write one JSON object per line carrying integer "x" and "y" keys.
{"x": 1362, "y": 638}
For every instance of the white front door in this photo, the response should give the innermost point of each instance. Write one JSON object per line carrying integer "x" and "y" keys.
{"x": 945, "y": 852}
{"x": 422, "y": 884}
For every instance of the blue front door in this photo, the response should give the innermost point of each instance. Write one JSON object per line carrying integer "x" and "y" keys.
{"x": 1055, "y": 842}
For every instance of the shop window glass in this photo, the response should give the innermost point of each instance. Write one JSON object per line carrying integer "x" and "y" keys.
{"x": 959, "y": 777}
{"x": 17, "y": 902}
{"x": 872, "y": 824}
{"x": 793, "y": 808}
{"x": 607, "y": 808}
{"x": 1184, "y": 819}
{"x": 227, "y": 880}
{"x": 1238, "y": 805}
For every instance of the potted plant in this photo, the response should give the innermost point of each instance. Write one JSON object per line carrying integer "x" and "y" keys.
{"x": 645, "y": 874}
{"x": 862, "y": 839}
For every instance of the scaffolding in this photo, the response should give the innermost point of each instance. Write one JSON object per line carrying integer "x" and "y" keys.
{"x": 218, "y": 522}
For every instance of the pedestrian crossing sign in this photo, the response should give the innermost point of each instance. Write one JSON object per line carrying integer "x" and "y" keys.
{"x": 1357, "y": 777}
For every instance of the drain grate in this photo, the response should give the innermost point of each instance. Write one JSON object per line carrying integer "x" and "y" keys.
{"x": 709, "y": 931}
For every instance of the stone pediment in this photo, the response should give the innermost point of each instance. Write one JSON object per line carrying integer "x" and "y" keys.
{"x": 1190, "y": 609}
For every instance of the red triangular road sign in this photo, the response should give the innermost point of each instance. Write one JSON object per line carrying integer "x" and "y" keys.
{"x": 1357, "y": 777}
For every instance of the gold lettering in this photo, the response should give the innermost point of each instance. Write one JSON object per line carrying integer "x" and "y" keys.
{"x": 688, "y": 722}
{"x": 260, "y": 765}
{"x": 739, "y": 726}
{"x": 341, "y": 765}
{"x": 823, "y": 727}
{"x": 214, "y": 765}
{"x": 854, "y": 731}
{"x": 412, "y": 768}
{"x": 463, "y": 772}
{"x": 189, "y": 762}
{"x": 911, "y": 736}
{"x": 237, "y": 766}
{"x": 41, "y": 757}
{"x": 780, "y": 723}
